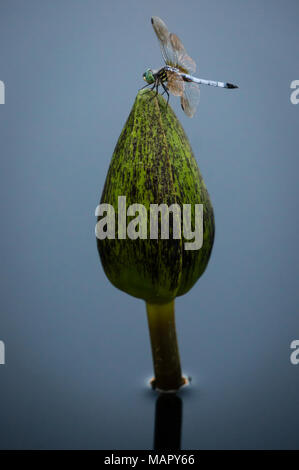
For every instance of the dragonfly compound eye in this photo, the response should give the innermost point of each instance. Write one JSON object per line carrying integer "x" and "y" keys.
{"x": 148, "y": 76}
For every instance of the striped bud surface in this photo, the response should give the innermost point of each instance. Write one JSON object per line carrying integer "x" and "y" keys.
{"x": 153, "y": 163}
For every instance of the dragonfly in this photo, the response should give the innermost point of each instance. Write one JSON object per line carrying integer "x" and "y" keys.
{"x": 176, "y": 76}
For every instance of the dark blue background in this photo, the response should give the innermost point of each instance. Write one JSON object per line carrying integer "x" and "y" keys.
{"x": 77, "y": 350}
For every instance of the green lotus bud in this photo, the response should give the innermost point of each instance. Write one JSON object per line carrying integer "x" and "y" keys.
{"x": 155, "y": 227}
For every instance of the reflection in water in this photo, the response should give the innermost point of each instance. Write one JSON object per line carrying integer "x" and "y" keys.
{"x": 168, "y": 422}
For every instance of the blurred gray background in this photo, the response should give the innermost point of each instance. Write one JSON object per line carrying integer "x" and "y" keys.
{"x": 77, "y": 349}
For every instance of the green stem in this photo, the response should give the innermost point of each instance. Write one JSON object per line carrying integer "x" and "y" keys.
{"x": 166, "y": 357}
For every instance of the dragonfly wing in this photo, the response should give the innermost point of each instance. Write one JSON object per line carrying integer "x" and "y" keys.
{"x": 175, "y": 83}
{"x": 183, "y": 60}
{"x": 173, "y": 51}
{"x": 190, "y": 98}
{"x": 168, "y": 52}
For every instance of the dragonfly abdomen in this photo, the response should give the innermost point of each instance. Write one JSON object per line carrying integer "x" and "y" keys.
{"x": 201, "y": 81}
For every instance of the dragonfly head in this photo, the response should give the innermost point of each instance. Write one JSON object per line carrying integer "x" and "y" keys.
{"x": 148, "y": 76}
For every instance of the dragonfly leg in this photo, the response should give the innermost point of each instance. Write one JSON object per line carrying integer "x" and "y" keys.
{"x": 148, "y": 84}
{"x": 156, "y": 85}
{"x": 165, "y": 91}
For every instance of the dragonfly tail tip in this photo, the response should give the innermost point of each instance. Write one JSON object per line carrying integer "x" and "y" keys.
{"x": 230, "y": 85}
